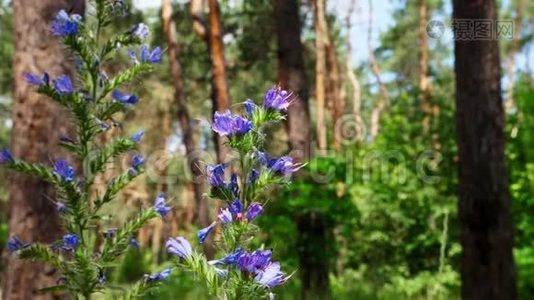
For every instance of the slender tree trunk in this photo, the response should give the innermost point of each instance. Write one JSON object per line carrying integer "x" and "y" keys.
{"x": 382, "y": 101}
{"x": 220, "y": 91}
{"x": 201, "y": 210}
{"x": 292, "y": 75}
{"x": 423, "y": 67}
{"x": 335, "y": 96}
{"x": 321, "y": 40}
{"x": 510, "y": 104}
{"x": 37, "y": 124}
{"x": 486, "y": 227}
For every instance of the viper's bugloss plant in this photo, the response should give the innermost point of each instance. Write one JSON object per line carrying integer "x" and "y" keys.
{"x": 93, "y": 99}
{"x": 240, "y": 272}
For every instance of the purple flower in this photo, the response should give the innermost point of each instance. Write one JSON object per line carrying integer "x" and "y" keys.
{"x": 253, "y": 176}
{"x": 148, "y": 56}
{"x": 230, "y": 259}
{"x": 225, "y": 216}
{"x": 61, "y": 207}
{"x": 64, "y": 170}
{"x": 65, "y": 139}
{"x": 254, "y": 261}
{"x": 110, "y": 233}
{"x": 271, "y": 276}
{"x": 233, "y": 185}
{"x": 63, "y": 85}
{"x": 33, "y": 79}
{"x": 278, "y": 99}
{"x": 236, "y": 208}
{"x": 160, "y": 206}
{"x": 133, "y": 242}
{"x": 179, "y": 246}
{"x": 283, "y": 165}
{"x": 137, "y": 161}
{"x": 65, "y": 25}
{"x": 249, "y": 106}
{"x": 136, "y": 137}
{"x": 15, "y": 244}
{"x": 70, "y": 241}
{"x": 140, "y": 31}
{"x": 161, "y": 276}
{"x": 254, "y": 210}
{"x": 223, "y": 123}
{"x": 203, "y": 233}
{"x": 216, "y": 175}
{"x": 226, "y": 124}
{"x": 124, "y": 98}
{"x": 5, "y": 157}
{"x": 241, "y": 125}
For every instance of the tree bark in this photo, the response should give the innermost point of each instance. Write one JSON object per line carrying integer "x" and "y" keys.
{"x": 37, "y": 124}
{"x": 334, "y": 87}
{"x": 314, "y": 270}
{"x": 486, "y": 227}
{"x": 220, "y": 91}
{"x": 201, "y": 210}
{"x": 321, "y": 41}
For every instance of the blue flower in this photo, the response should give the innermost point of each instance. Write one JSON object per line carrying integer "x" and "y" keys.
{"x": 63, "y": 85}
{"x": 140, "y": 31}
{"x": 63, "y": 170}
{"x": 233, "y": 185}
{"x": 110, "y": 233}
{"x": 148, "y": 56}
{"x": 5, "y": 157}
{"x": 15, "y": 244}
{"x": 70, "y": 241}
{"x": 253, "y": 176}
{"x": 163, "y": 275}
{"x": 133, "y": 242}
{"x": 254, "y": 210}
{"x": 137, "y": 161}
{"x": 271, "y": 276}
{"x": 160, "y": 206}
{"x": 236, "y": 208}
{"x": 216, "y": 175}
{"x": 124, "y": 98}
{"x": 255, "y": 261}
{"x": 203, "y": 233}
{"x": 227, "y": 124}
{"x": 223, "y": 123}
{"x": 179, "y": 246}
{"x": 136, "y": 137}
{"x": 65, "y": 25}
{"x": 225, "y": 216}
{"x": 278, "y": 99}
{"x": 61, "y": 207}
{"x": 283, "y": 165}
{"x": 230, "y": 259}
{"x": 242, "y": 125}
{"x": 250, "y": 106}
{"x": 33, "y": 79}
{"x": 65, "y": 139}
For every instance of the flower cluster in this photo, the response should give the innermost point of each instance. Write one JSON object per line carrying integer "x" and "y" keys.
{"x": 93, "y": 99}
{"x": 244, "y": 202}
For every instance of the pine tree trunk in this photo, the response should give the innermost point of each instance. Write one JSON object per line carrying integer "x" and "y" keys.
{"x": 201, "y": 210}
{"x": 292, "y": 75}
{"x": 423, "y": 67}
{"x": 220, "y": 91}
{"x": 486, "y": 227}
{"x": 37, "y": 125}
{"x": 321, "y": 40}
